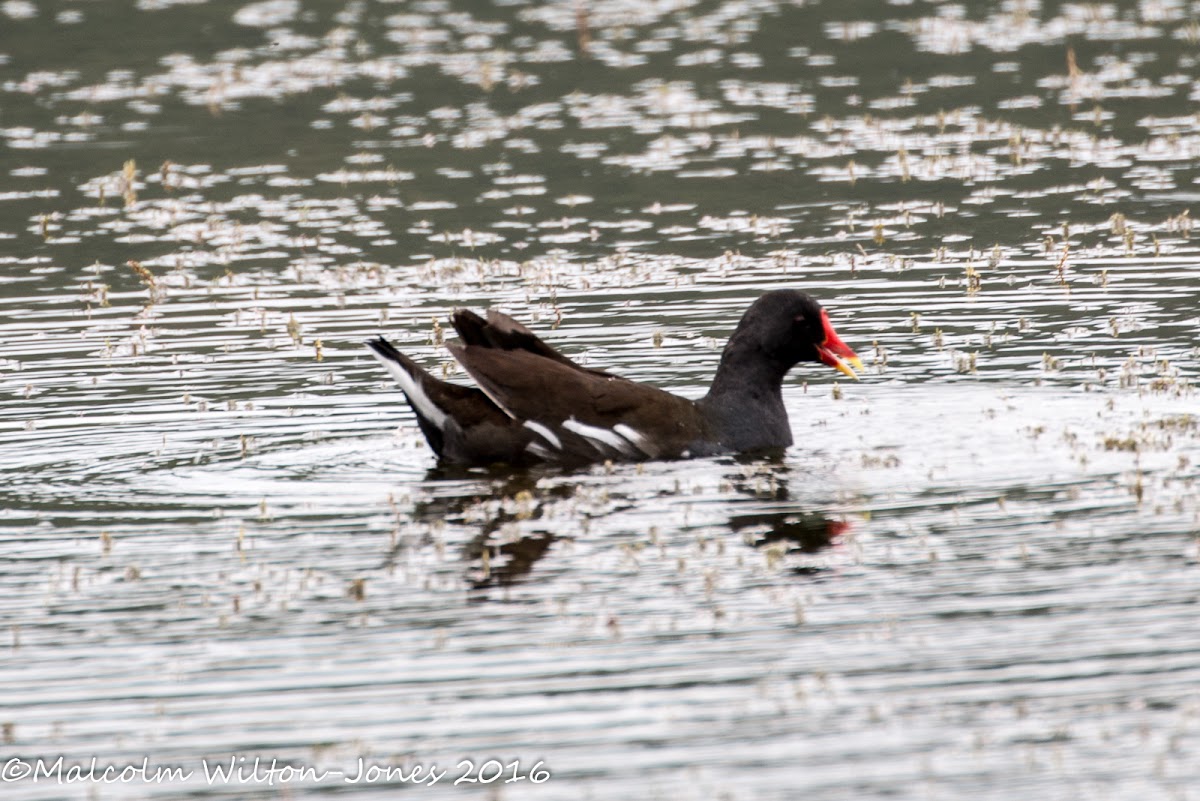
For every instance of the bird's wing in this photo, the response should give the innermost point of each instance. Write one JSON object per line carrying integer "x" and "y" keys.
{"x": 501, "y": 332}
{"x": 575, "y": 411}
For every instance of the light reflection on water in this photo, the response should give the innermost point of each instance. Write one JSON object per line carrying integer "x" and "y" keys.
{"x": 974, "y": 574}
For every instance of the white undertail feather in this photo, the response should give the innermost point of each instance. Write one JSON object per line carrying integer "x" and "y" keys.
{"x": 544, "y": 433}
{"x": 414, "y": 391}
{"x": 600, "y": 436}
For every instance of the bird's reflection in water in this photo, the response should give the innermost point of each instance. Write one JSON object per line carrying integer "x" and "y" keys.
{"x": 504, "y": 512}
{"x": 803, "y": 532}
{"x": 772, "y": 520}
{"x": 512, "y": 532}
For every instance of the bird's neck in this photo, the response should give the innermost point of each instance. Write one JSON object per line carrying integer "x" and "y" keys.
{"x": 746, "y": 369}
{"x": 745, "y": 400}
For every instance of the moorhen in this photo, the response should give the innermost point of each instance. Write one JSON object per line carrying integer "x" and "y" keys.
{"x": 535, "y": 405}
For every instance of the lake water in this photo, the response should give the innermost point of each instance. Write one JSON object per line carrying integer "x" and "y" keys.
{"x": 222, "y": 536}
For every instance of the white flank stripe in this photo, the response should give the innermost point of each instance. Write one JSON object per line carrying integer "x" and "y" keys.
{"x": 636, "y": 438}
{"x": 599, "y": 436}
{"x": 537, "y": 450}
{"x": 544, "y": 433}
{"x": 416, "y": 395}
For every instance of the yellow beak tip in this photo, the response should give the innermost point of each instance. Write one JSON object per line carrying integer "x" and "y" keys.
{"x": 847, "y": 366}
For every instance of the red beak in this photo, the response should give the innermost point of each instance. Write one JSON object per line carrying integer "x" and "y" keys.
{"x": 836, "y": 353}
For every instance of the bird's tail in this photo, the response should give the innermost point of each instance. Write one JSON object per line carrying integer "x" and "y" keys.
{"x": 418, "y": 386}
